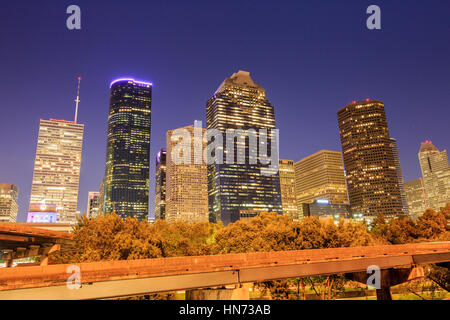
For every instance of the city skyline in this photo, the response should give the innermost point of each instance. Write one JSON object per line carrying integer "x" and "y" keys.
{"x": 150, "y": 212}
{"x": 409, "y": 85}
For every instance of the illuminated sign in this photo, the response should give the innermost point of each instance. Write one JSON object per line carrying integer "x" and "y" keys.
{"x": 323, "y": 201}
{"x": 42, "y": 213}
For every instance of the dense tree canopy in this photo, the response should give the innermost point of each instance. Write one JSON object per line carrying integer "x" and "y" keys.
{"x": 429, "y": 226}
{"x": 273, "y": 232}
{"x": 111, "y": 238}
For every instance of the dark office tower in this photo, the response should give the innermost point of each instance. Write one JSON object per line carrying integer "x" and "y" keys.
{"x": 399, "y": 175}
{"x": 241, "y": 190}
{"x": 160, "y": 185}
{"x": 127, "y": 155}
{"x": 369, "y": 162}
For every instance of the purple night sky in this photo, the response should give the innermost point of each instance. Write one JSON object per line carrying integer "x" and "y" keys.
{"x": 312, "y": 56}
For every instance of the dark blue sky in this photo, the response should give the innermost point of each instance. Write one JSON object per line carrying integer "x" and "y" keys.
{"x": 312, "y": 56}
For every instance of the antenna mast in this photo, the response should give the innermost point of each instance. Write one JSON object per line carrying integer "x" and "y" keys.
{"x": 77, "y": 99}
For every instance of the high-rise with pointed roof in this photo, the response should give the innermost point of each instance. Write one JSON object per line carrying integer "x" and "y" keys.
{"x": 57, "y": 165}
{"x": 240, "y": 189}
{"x": 436, "y": 174}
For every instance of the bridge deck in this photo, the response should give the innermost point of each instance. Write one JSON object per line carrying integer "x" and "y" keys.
{"x": 21, "y": 241}
{"x": 130, "y": 277}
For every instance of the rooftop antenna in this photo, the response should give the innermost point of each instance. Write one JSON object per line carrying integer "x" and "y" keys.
{"x": 77, "y": 100}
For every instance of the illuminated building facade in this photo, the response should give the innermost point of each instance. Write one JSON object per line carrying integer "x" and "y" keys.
{"x": 399, "y": 175}
{"x": 160, "y": 185}
{"x": 93, "y": 204}
{"x": 321, "y": 176}
{"x": 287, "y": 186}
{"x": 324, "y": 209}
{"x": 57, "y": 167}
{"x": 187, "y": 182}
{"x": 371, "y": 173}
{"x": 42, "y": 213}
{"x": 9, "y": 195}
{"x": 241, "y": 190}
{"x": 101, "y": 197}
{"x": 128, "y": 149}
{"x": 436, "y": 175}
{"x": 416, "y": 197}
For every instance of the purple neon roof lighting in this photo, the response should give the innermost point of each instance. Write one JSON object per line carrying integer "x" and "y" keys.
{"x": 130, "y": 79}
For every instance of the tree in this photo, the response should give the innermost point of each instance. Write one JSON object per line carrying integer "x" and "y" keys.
{"x": 379, "y": 226}
{"x": 266, "y": 232}
{"x": 109, "y": 237}
{"x": 274, "y": 232}
{"x": 431, "y": 224}
{"x": 402, "y": 230}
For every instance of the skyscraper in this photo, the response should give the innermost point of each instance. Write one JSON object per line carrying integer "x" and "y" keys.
{"x": 128, "y": 149}
{"x": 92, "y": 205}
{"x": 371, "y": 173}
{"x": 399, "y": 175}
{"x": 287, "y": 185}
{"x": 416, "y": 197}
{"x": 160, "y": 185}
{"x": 321, "y": 176}
{"x": 9, "y": 195}
{"x": 57, "y": 167}
{"x": 101, "y": 197}
{"x": 436, "y": 174}
{"x": 237, "y": 190}
{"x": 187, "y": 181}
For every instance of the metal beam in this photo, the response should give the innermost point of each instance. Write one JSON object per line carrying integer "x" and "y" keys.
{"x": 123, "y": 288}
{"x": 109, "y": 279}
{"x": 320, "y": 268}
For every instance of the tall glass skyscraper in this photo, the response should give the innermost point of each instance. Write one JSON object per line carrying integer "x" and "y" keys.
{"x": 126, "y": 182}
{"x": 371, "y": 173}
{"x": 399, "y": 175}
{"x": 57, "y": 167}
{"x": 240, "y": 190}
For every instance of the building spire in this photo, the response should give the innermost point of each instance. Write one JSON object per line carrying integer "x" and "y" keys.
{"x": 77, "y": 100}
